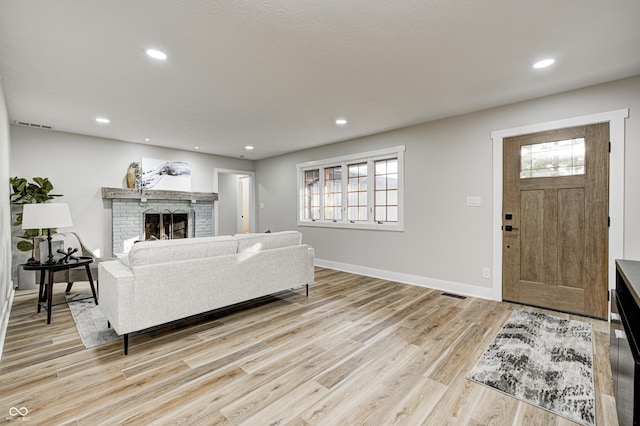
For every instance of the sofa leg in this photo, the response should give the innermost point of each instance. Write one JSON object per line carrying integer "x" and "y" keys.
{"x": 307, "y": 290}
{"x": 68, "y": 290}
{"x": 108, "y": 324}
{"x": 126, "y": 344}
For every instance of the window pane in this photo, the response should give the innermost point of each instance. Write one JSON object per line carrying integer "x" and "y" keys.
{"x": 312, "y": 194}
{"x": 362, "y": 184}
{"x": 558, "y": 158}
{"x": 333, "y": 193}
{"x": 357, "y": 192}
{"x": 392, "y": 181}
{"x": 392, "y": 197}
{"x": 352, "y": 213}
{"x": 386, "y": 190}
{"x": 392, "y": 214}
{"x": 392, "y": 166}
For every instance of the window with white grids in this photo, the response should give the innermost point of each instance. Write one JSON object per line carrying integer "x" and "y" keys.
{"x": 355, "y": 191}
{"x": 312, "y": 194}
{"x": 333, "y": 193}
{"x": 386, "y": 190}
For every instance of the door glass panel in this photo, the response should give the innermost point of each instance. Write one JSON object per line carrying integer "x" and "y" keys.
{"x": 549, "y": 159}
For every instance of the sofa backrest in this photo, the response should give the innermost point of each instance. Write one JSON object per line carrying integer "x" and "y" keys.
{"x": 267, "y": 241}
{"x": 161, "y": 251}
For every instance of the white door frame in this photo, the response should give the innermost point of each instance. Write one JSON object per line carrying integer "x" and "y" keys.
{"x": 616, "y": 184}
{"x": 252, "y": 198}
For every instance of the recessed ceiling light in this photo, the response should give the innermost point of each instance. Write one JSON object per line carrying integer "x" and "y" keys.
{"x": 156, "y": 54}
{"x": 196, "y": 147}
{"x": 103, "y": 120}
{"x": 341, "y": 121}
{"x": 147, "y": 139}
{"x": 248, "y": 147}
{"x": 544, "y": 63}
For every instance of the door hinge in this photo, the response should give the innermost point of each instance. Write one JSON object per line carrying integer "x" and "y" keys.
{"x": 609, "y": 146}
{"x": 608, "y": 295}
{"x": 609, "y": 222}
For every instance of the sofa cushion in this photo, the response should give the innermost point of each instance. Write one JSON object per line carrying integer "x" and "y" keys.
{"x": 266, "y": 241}
{"x": 161, "y": 251}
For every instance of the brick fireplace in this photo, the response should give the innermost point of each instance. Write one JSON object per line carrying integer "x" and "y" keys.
{"x": 147, "y": 214}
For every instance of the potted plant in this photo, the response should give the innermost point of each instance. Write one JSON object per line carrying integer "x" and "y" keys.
{"x": 25, "y": 192}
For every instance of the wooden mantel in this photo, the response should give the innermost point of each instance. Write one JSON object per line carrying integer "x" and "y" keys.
{"x": 151, "y": 194}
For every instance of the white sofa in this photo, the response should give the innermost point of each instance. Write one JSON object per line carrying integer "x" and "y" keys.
{"x": 163, "y": 281}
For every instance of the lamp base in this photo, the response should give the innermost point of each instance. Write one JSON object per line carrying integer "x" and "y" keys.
{"x": 50, "y": 260}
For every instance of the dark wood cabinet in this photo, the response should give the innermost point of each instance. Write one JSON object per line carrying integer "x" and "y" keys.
{"x": 625, "y": 339}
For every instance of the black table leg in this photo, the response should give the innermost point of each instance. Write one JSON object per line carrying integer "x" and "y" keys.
{"x": 93, "y": 290}
{"x": 41, "y": 290}
{"x": 49, "y": 295}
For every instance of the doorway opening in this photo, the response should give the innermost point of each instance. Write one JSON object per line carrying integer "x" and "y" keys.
{"x": 234, "y": 211}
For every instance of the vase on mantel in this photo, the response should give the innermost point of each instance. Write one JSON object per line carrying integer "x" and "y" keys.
{"x": 131, "y": 177}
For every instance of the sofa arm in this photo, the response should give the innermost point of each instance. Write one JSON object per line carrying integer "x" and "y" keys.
{"x": 116, "y": 295}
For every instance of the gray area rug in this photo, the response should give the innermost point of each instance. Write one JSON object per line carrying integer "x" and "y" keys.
{"x": 545, "y": 361}
{"x": 90, "y": 321}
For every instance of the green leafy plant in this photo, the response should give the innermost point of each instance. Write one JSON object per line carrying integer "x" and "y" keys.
{"x": 25, "y": 192}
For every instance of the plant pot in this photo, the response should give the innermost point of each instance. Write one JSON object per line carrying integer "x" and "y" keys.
{"x": 26, "y": 279}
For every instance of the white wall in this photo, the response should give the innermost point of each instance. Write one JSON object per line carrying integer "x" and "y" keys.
{"x": 446, "y": 160}
{"x": 79, "y": 166}
{"x": 6, "y": 286}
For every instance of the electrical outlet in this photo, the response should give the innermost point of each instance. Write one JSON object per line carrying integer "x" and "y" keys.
{"x": 486, "y": 272}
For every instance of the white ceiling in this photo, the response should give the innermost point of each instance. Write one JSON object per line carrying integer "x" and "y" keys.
{"x": 277, "y": 73}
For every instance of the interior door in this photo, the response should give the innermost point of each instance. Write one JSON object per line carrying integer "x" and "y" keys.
{"x": 555, "y": 219}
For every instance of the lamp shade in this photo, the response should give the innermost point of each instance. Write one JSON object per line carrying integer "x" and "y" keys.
{"x": 46, "y": 216}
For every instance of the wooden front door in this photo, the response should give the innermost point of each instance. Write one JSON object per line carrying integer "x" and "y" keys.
{"x": 555, "y": 219}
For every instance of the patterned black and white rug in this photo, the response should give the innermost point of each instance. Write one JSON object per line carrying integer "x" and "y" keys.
{"x": 545, "y": 361}
{"x": 90, "y": 321}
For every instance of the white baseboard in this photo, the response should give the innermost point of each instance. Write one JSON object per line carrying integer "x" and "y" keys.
{"x": 447, "y": 286}
{"x": 4, "y": 319}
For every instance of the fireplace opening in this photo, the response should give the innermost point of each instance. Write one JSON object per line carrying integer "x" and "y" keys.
{"x": 167, "y": 225}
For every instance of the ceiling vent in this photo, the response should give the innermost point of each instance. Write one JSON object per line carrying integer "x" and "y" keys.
{"x": 26, "y": 124}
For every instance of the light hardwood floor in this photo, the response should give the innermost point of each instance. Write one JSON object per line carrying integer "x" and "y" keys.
{"x": 358, "y": 350}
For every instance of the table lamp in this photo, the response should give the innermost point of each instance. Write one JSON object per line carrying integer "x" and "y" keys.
{"x": 46, "y": 216}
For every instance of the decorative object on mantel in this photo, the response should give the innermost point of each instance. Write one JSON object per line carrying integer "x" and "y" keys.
{"x": 134, "y": 179}
{"x": 168, "y": 175}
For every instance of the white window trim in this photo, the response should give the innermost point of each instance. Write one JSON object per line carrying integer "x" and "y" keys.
{"x": 369, "y": 157}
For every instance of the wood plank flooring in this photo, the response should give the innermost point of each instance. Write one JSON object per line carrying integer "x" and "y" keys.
{"x": 357, "y": 351}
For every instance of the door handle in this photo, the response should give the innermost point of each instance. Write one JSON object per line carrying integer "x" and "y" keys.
{"x": 509, "y": 228}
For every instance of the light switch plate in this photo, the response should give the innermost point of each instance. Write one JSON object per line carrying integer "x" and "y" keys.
{"x": 474, "y": 200}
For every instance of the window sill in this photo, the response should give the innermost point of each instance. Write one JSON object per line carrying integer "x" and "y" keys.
{"x": 369, "y": 226}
